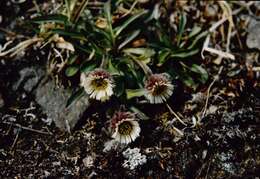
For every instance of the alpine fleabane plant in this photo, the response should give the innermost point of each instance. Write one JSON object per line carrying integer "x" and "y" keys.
{"x": 158, "y": 88}
{"x": 98, "y": 84}
{"x": 125, "y": 127}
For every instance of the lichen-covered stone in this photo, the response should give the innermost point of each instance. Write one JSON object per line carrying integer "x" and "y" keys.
{"x": 53, "y": 100}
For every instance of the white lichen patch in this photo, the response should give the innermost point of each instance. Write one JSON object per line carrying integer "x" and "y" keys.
{"x": 133, "y": 158}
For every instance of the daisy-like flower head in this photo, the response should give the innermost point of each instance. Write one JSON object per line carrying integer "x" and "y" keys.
{"x": 158, "y": 88}
{"x": 125, "y": 127}
{"x": 98, "y": 84}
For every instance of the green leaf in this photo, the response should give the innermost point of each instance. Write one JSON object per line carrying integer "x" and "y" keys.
{"x": 183, "y": 21}
{"x": 129, "y": 38}
{"x": 120, "y": 85}
{"x": 103, "y": 34}
{"x": 119, "y": 29}
{"x": 82, "y": 48}
{"x": 107, "y": 10}
{"x": 112, "y": 69}
{"x": 163, "y": 35}
{"x": 75, "y": 35}
{"x": 163, "y": 56}
{"x": 75, "y": 96}
{"x": 188, "y": 81}
{"x": 203, "y": 34}
{"x": 88, "y": 66}
{"x": 72, "y": 59}
{"x": 68, "y": 5}
{"x": 195, "y": 30}
{"x": 185, "y": 53}
{"x": 131, "y": 93}
{"x": 201, "y": 71}
{"x": 71, "y": 70}
{"x": 58, "y": 18}
{"x": 147, "y": 52}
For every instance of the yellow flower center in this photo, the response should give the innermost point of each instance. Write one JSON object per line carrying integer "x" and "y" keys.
{"x": 125, "y": 128}
{"x": 159, "y": 89}
{"x": 99, "y": 84}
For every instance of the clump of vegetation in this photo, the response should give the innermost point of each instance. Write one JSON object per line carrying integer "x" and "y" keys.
{"x": 120, "y": 49}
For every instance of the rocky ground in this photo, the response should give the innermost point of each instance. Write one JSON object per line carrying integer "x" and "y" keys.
{"x": 41, "y": 138}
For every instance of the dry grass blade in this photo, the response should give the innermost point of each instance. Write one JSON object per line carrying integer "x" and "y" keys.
{"x": 27, "y": 128}
{"x": 219, "y": 53}
{"x": 76, "y": 12}
{"x": 177, "y": 117}
{"x": 227, "y": 15}
{"x": 20, "y": 47}
{"x": 208, "y": 92}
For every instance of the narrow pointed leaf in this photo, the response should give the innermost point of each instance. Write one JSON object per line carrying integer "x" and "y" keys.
{"x": 185, "y": 53}
{"x": 195, "y": 30}
{"x": 59, "y": 18}
{"x": 131, "y": 93}
{"x": 119, "y": 29}
{"x": 71, "y": 71}
{"x": 129, "y": 38}
{"x": 182, "y": 25}
{"x": 163, "y": 56}
{"x": 75, "y": 96}
{"x": 201, "y": 71}
{"x": 200, "y": 36}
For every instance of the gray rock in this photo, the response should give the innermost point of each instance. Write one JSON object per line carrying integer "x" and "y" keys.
{"x": 253, "y": 37}
{"x": 53, "y": 101}
{"x": 29, "y": 78}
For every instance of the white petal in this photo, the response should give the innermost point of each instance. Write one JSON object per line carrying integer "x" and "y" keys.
{"x": 103, "y": 93}
{"x": 99, "y": 95}
{"x": 150, "y": 98}
{"x": 89, "y": 90}
{"x": 156, "y": 99}
{"x": 104, "y": 98}
{"x": 109, "y": 91}
{"x": 132, "y": 121}
{"x": 136, "y": 132}
{"x": 82, "y": 79}
{"x": 93, "y": 95}
{"x": 118, "y": 138}
{"x": 122, "y": 139}
{"x": 128, "y": 139}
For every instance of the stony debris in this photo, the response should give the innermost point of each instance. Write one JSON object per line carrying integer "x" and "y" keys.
{"x": 89, "y": 161}
{"x": 53, "y": 100}
{"x": 29, "y": 78}
{"x": 111, "y": 144}
{"x": 253, "y": 38}
{"x": 224, "y": 161}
